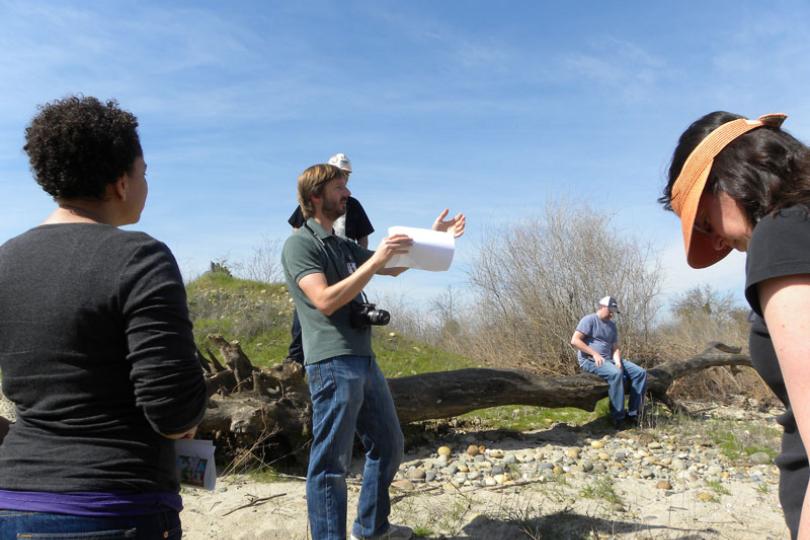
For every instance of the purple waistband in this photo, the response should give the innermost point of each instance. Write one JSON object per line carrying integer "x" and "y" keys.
{"x": 91, "y": 503}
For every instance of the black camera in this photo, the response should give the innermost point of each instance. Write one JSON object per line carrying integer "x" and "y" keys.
{"x": 363, "y": 314}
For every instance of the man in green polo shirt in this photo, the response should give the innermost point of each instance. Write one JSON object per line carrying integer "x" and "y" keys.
{"x": 325, "y": 274}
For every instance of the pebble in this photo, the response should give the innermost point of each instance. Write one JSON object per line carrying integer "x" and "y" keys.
{"x": 668, "y": 464}
{"x": 404, "y": 485}
{"x": 760, "y": 458}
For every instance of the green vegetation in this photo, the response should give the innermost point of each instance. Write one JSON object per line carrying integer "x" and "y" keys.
{"x": 257, "y": 314}
{"x": 602, "y": 489}
{"x": 738, "y": 440}
{"x": 717, "y": 487}
{"x": 527, "y": 418}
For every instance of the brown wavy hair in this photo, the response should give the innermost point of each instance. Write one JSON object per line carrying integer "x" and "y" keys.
{"x": 765, "y": 170}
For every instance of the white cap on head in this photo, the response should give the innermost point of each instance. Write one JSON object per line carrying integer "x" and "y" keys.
{"x": 610, "y": 303}
{"x": 341, "y": 161}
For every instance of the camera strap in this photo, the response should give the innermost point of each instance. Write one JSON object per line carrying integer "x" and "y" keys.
{"x": 329, "y": 257}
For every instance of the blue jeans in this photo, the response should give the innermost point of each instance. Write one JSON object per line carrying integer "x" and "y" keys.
{"x": 636, "y": 376}
{"x": 16, "y": 524}
{"x": 349, "y": 393}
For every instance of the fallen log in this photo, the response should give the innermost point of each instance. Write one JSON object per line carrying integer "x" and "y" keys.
{"x": 265, "y": 413}
{"x": 452, "y": 393}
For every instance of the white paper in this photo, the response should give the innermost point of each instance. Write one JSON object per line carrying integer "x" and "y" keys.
{"x": 431, "y": 250}
{"x": 195, "y": 463}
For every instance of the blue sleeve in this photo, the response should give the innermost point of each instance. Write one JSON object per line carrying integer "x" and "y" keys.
{"x": 585, "y": 326}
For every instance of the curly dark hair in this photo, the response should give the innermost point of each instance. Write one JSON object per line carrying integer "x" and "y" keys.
{"x": 765, "y": 170}
{"x": 78, "y": 145}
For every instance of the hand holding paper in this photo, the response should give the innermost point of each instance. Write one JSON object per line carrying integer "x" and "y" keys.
{"x": 431, "y": 250}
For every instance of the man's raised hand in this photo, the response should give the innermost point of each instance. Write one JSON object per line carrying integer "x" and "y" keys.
{"x": 454, "y": 225}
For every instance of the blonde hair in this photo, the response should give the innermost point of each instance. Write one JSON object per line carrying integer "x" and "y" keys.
{"x": 311, "y": 182}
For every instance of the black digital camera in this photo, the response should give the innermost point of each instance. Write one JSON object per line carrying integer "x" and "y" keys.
{"x": 363, "y": 314}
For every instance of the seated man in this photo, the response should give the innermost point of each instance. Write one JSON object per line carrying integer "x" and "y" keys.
{"x": 596, "y": 339}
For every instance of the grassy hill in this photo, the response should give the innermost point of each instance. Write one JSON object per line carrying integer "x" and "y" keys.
{"x": 259, "y": 316}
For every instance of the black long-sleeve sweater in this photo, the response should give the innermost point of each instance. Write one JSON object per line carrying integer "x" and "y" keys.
{"x": 97, "y": 353}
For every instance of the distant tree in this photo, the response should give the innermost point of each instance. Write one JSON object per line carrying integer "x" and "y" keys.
{"x": 535, "y": 279}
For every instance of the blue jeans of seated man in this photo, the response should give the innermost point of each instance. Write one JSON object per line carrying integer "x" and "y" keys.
{"x": 16, "y": 524}
{"x": 636, "y": 376}
{"x": 350, "y": 394}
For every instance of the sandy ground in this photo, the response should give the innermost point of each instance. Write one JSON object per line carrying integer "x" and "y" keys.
{"x": 243, "y": 509}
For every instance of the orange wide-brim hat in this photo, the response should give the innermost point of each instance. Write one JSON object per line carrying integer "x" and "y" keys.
{"x": 688, "y": 188}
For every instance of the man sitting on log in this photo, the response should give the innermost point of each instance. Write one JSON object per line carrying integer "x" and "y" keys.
{"x": 325, "y": 275}
{"x": 597, "y": 339}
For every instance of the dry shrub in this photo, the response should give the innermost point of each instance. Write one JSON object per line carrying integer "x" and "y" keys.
{"x": 264, "y": 263}
{"x": 533, "y": 282}
{"x": 699, "y": 316}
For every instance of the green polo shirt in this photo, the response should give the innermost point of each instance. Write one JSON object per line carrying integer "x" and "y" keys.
{"x": 312, "y": 250}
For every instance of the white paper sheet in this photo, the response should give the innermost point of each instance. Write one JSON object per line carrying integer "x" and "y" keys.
{"x": 195, "y": 463}
{"x": 431, "y": 250}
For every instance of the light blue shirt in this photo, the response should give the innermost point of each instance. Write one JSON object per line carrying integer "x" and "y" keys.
{"x": 600, "y": 336}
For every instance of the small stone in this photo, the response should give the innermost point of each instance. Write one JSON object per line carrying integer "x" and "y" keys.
{"x": 444, "y": 451}
{"x": 597, "y": 444}
{"x": 572, "y": 453}
{"x": 430, "y": 476}
{"x": 678, "y": 465}
{"x": 462, "y": 468}
{"x": 663, "y": 484}
{"x": 496, "y": 453}
{"x": 403, "y": 485}
{"x": 490, "y": 481}
{"x": 587, "y": 466}
{"x": 620, "y": 456}
{"x": 557, "y": 469}
{"x": 510, "y": 460}
{"x": 603, "y": 456}
{"x": 501, "y": 478}
{"x": 417, "y": 475}
{"x": 705, "y": 496}
{"x": 760, "y": 458}
{"x": 472, "y": 450}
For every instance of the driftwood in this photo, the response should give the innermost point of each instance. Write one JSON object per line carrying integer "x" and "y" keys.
{"x": 451, "y": 393}
{"x": 254, "y": 415}
{"x": 265, "y": 413}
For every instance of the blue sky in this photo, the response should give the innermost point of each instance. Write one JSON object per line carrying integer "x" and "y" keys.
{"x": 489, "y": 108}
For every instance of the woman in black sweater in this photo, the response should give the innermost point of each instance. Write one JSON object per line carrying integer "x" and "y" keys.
{"x": 96, "y": 349}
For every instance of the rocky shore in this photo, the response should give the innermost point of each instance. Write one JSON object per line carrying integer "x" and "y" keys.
{"x": 705, "y": 477}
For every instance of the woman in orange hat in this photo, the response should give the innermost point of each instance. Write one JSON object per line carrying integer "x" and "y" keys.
{"x": 744, "y": 184}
